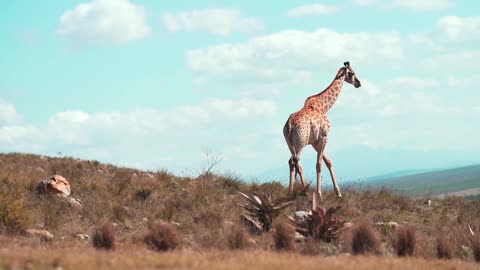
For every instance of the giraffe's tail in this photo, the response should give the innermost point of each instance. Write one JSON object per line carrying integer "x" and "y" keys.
{"x": 287, "y": 132}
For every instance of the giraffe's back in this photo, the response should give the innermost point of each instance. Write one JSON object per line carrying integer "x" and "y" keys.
{"x": 305, "y": 127}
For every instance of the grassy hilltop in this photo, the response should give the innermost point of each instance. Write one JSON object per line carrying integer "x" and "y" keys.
{"x": 206, "y": 219}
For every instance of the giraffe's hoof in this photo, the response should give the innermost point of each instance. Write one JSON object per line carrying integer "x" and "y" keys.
{"x": 339, "y": 195}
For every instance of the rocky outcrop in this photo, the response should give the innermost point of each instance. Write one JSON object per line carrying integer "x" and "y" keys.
{"x": 58, "y": 185}
{"x": 55, "y": 184}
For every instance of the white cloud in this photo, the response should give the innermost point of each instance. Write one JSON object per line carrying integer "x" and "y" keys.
{"x": 460, "y": 29}
{"x": 364, "y": 2}
{"x": 451, "y": 31}
{"x": 104, "y": 22}
{"x": 8, "y": 113}
{"x": 312, "y": 10}
{"x": 292, "y": 53}
{"x": 9, "y": 134}
{"x": 452, "y": 61}
{"x": 413, "y": 83}
{"x": 216, "y": 21}
{"x": 463, "y": 82}
{"x": 412, "y": 5}
{"x": 130, "y": 136}
{"x": 423, "y": 5}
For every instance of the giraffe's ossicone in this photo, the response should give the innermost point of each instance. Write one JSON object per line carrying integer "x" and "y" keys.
{"x": 310, "y": 125}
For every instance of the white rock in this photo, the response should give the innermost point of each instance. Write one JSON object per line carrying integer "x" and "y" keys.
{"x": 300, "y": 216}
{"x": 42, "y": 234}
{"x": 299, "y": 237}
{"x": 82, "y": 236}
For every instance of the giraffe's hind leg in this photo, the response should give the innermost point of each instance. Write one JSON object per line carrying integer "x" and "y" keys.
{"x": 291, "y": 165}
{"x": 328, "y": 162}
{"x": 296, "y": 141}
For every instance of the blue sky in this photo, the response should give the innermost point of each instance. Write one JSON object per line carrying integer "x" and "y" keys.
{"x": 151, "y": 84}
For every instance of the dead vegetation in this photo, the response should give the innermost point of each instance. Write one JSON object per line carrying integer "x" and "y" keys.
{"x": 104, "y": 237}
{"x": 201, "y": 213}
{"x": 162, "y": 236}
{"x": 283, "y": 237}
{"x": 405, "y": 241}
{"x": 364, "y": 238}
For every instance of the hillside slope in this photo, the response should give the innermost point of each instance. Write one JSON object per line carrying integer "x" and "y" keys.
{"x": 205, "y": 213}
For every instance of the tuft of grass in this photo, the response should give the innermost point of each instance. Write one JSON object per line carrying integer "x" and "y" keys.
{"x": 283, "y": 237}
{"x": 104, "y": 237}
{"x": 405, "y": 241}
{"x": 444, "y": 248}
{"x": 365, "y": 238}
{"x": 237, "y": 238}
{"x": 162, "y": 236}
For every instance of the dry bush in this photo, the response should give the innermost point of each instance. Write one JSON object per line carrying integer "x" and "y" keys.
{"x": 364, "y": 238}
{"x": 405, "y": 241}
{"x": 14, "y": 212}
{"x": 104, "y": 237}
{"x": 283, "y": 237}
{"x": 162, "y": 236}
{"x": 237, "y": 237}
{"x": 475, "y": 242}
{"x": 444, "y": 248}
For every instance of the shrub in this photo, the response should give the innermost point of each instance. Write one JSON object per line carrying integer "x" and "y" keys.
{"x": 162, "y": 236}
{"x": 14, "y": 213}
{"x": 237, "y": 237}
{"x": 364, "y": 239}
{"x": 104, "y": 237}
{"x": 405, "y": 241}
{"x": 444, "y": 248}
{"x": 283, "y": 237}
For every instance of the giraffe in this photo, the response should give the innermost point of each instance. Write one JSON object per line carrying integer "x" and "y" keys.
{"x": 310, "y": 125}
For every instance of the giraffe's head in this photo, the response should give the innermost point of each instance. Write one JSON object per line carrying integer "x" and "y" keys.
{"x": 350, "y": 76}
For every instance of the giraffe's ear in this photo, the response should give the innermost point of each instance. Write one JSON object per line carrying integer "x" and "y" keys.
{"x": 346, "y": 64}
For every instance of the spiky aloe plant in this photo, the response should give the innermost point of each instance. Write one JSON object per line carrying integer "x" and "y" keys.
{"x": 320, "y": 223}
{"x": 260, "y": 210}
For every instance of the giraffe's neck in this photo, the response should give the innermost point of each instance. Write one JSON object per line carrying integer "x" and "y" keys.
{"x": 324, "y": 100}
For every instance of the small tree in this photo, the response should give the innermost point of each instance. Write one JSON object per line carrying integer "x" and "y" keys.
{"x": 211, "y": 161}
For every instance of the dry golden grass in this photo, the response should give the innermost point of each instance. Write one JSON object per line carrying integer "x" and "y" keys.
{"x": 204, "y": 211}
{"x": 141, "y": 258}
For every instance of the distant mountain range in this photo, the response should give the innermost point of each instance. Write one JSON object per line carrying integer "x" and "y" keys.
{"x": 464, "y": 181}
{"x": 362, "y": 163}
{"x": 457, "y": 180}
